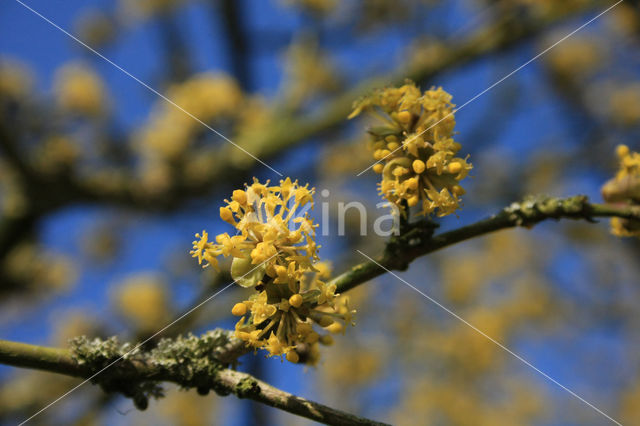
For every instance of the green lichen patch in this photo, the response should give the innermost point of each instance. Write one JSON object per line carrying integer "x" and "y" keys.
{"x": 189, "y": 361}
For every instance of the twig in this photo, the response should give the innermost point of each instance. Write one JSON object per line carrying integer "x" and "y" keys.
{"x": 418, "y": 240}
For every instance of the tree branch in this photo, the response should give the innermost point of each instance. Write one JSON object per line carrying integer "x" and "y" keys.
{"x": 200, "y": 362}
{"x": 418, "y": 240}
{"x": 174, "y": 362}
{"x": 38, "y": 357}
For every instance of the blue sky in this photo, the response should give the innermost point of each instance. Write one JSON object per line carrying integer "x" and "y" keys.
{"x": 535, "y": 117}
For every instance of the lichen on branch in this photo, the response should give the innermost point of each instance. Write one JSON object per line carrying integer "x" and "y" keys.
{"x": 187, "y": 360}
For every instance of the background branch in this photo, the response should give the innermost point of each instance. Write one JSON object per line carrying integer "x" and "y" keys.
{"x": 288, "y": 130}
{"x": 419, "y": 241}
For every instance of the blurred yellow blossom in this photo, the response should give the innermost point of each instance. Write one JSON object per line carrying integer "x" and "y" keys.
{"x": 354, "y": 366}
{"x": 80, "y": 90}
{"x": 624, "y": 104}
{"x": 170, "y": 131}
{"x": 574, "y": 57}
{"x": 57, "y": 153}
{"x": 460, "y": 403}
{"x": 13, "y": 201}
{"x": 15, "y": 79}
{"x": 624, "y": 19}
{"x": 185, "y": 408}
{"x": 142, "y": 299}
{"x": 425, "y": 53}
{"x": 31, "y": 266}
{"x": 344, "y": 158}
{"x": 255, "y": 122}
{"x": 630, "y": 403}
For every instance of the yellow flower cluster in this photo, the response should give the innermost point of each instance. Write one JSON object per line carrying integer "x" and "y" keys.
{"x": 170, "y": 131}
{"x": 275, "y": 253}
{"x": 624, "y": 188}
{"x": 80, "y": 90}
{"x": 273, "y": 237}
{"x": 415, "y": 149}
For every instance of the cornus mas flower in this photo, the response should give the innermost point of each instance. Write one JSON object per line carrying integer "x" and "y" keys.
{"x": 624, "y": 188}
{"x": 415, "y": 148}
{"x": 275, "y": 253}
{"x": 293, "y": 323}
{"x": 274, "y": 239}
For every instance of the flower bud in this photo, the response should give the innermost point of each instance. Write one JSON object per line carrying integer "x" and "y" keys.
{"x": 239, "y": 309}
{"x": 418, "y": 166}
{"x": 292, "y": 356}
{"x": 295, "y": 300}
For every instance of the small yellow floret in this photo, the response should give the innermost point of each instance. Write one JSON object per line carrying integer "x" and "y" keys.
{"x": 399, "y": 171}
{"x": 418, "y": 166}
{"x": 295, "y": 300}
{"x": 378, "y": 168}
{"x": 239, "y": 309}
{"x": 404, "y": 116}
{"x": 458, "y": 190}
{"x": 336, "y": 327}
{"x": 454, "y": 168}
{"x": 412, "y": 183}
{"x": 226, "y": 215}
{"x": 240, "y": 196}
{"x": 622, "y": 151}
